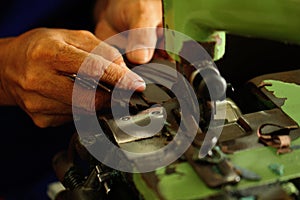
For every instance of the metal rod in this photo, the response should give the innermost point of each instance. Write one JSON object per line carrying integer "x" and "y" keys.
{"x": 90, "y": 83}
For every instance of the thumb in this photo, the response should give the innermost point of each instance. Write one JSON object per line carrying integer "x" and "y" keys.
{"x": 141, "y": 44}
{"x": 143, "y": 25}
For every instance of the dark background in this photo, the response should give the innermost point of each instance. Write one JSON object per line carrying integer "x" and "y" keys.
{"x": 246, "y": 58}
{"x": 26, "y": 150}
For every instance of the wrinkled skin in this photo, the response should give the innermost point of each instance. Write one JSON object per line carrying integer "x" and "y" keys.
{"x": 115, "y": 16}
{"x": 31, "y": 64}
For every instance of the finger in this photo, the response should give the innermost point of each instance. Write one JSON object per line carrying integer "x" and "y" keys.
{"x": 45, "y": 112}
{"x": 123, "y": 78}
{"x": 53, "y": 85}
{"x": 142, "y": 41}
{"x": 80, "y": 39}
{"x": 53, "y": 95}
{"x": 141, "y": 45}
{"x": 112, "y": 73}
{"x": 109, "y": 53}
{"x": 88, "y": 42}
{"x": 44, "y": 120}
{"x": 82, "y": 101}
{"x": 73, "y": 60}
{"x": 62, "y": 89}
{"x": 45, "y": 98}
{"x": 106, "y": 32}
{"x": 34, "y": 103}
{"x": 96, "y": 66}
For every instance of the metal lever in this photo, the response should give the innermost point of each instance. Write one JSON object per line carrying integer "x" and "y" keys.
{"x": 86, "y": 82}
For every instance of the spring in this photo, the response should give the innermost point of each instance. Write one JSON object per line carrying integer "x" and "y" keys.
{"x": 73, "y": 178}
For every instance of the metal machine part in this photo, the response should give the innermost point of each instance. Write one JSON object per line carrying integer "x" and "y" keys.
{"x": 220, "y": 169}
{"x": 124, "y": 131}
{"x": 87, "y": 82}
{"x": 202, "y": 73}
{"x": 85, "y": 178}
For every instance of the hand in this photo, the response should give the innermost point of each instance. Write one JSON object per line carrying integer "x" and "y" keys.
{"x": 115, "y": 16}
{"x": 31, "y": 67}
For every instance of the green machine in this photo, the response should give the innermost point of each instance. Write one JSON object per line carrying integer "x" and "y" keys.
{"x": 209, "y": 20}
{"x": 271, "y": 175}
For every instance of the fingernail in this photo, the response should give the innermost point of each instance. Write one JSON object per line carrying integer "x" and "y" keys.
{"x": 132, "y": 81}
{"x": 139, "y": 85}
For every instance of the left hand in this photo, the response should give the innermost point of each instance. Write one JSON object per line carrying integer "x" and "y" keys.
{"x": 115, "y": 16}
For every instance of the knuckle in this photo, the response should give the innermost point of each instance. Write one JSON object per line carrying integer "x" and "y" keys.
{"x": 112, "y": 75}
{"x": 85, "y": 34}
{"x": 60, "y": 51}
{"x": 29, "y": 81}
{"x": 93, "y": 66}
{"x": 43, "y": 49}
{"x": 35, "y": 50}
{"x": 89, "y": 40}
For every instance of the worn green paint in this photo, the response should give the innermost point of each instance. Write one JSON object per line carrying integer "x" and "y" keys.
{"x": 185, "y": 184}
{"x": 258, "y": 161}
{"x": 142, "y": 187}
{"x": 204, "y": 19}
{"x": 291, "y": 93}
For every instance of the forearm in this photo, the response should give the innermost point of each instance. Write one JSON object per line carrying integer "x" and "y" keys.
{"x": 5, "y": 99}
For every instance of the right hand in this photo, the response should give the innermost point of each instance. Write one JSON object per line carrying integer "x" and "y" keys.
{"x": 142, "y": 16}
{"x": 31, "y": 66}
